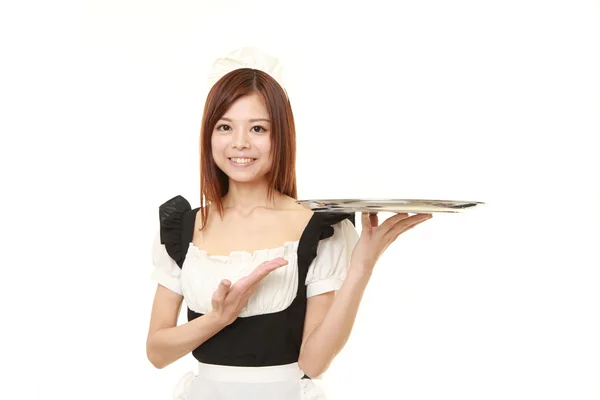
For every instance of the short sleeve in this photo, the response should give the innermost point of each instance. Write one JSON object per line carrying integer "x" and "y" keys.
{"x": 328, "y": 270}
{"x": 166, "y": 271}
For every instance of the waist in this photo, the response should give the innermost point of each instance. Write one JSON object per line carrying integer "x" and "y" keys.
{"x": 225, "y": 373}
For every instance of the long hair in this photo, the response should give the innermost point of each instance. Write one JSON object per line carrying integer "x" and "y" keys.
{"x": 214, "y": 183}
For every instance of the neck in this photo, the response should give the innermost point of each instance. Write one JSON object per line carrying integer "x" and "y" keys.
{"x": 247, "y": 196}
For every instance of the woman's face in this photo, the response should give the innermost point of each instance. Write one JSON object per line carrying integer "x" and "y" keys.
{"x": 241, "y": 140}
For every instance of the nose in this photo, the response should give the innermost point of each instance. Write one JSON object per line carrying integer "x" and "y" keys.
{"x": 240, "y": 140}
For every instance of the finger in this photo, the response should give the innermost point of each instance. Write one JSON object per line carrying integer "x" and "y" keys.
{"x": 249, "y": 292}
{"x": 390, "y": 222}
{"x": 261, "y": 272}
{"x": 406, "y": 224}
{"x": 374, "y": 219}
{"x": 222, "y": 290}
{"x": 265, "y": 268}
{"x": 401, "y": 232}
{"x": 247, "y": 285}
{"x": 365, "y": 221}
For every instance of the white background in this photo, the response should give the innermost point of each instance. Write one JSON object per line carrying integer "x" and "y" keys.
{"x": 471, "y": 100}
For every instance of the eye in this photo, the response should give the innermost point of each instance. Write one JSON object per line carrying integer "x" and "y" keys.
{"x": 258, "y": 129}
{"x": 223, "y": 127}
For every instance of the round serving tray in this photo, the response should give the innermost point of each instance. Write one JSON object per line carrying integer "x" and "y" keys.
{"x": 390, "y": 205}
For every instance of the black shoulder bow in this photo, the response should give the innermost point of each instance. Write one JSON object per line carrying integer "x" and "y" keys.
{"x": 328, "y": 219}
{"x": 320, "y": 227}
{"x": 170, "y": 216}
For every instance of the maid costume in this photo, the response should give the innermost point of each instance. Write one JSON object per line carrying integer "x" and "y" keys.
{"x": 256, "y": 357}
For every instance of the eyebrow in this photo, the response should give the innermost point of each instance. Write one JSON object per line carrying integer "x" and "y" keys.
{"x": 251, "y": 120}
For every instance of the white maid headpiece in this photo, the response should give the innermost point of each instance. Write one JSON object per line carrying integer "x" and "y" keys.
{"x": 246, "y": 57}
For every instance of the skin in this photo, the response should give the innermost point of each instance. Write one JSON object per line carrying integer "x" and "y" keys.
{"x": 251, "y": 221}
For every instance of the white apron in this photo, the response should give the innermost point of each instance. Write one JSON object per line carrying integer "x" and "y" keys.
{"x": 217, "y": 382}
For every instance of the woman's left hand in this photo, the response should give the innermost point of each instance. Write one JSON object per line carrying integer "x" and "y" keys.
{"x": 375, "y": 238}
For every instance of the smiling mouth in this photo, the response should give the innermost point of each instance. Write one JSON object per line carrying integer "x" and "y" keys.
{"x": 242, "y": 161}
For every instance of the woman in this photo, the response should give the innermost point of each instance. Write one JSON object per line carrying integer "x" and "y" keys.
{"x": 272, "y": 288}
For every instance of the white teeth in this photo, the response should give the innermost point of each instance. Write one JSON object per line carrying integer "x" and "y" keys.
{"x": 242, "y": 160}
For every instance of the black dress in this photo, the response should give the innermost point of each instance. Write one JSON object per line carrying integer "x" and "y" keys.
{"x": 256, "y": 356}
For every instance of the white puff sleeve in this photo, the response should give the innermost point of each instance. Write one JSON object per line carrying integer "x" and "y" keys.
{"x": 329, "y": 268}
{"x": 166, "y": 271}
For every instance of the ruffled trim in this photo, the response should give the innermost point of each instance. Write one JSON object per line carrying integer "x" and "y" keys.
{"x": 247, "y": 57}
{"x": 170, "y": 216}
{"x": 310, "y": 391}
{"x": 182, "y": 389}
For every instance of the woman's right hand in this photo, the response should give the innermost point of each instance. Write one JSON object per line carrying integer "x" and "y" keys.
{"x": 228, "y": 301}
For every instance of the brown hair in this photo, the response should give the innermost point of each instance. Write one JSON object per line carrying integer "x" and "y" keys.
{"x": 214, "y": 183}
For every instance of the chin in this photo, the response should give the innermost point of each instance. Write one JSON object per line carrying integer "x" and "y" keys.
{"x": 247, "y": 174}
{"x": 244, "y": 176}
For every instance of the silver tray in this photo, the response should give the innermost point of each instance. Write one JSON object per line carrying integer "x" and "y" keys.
{"x": 390, "y": 205}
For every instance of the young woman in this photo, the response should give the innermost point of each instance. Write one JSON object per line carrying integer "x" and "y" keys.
{"x": 272, "y": 289}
